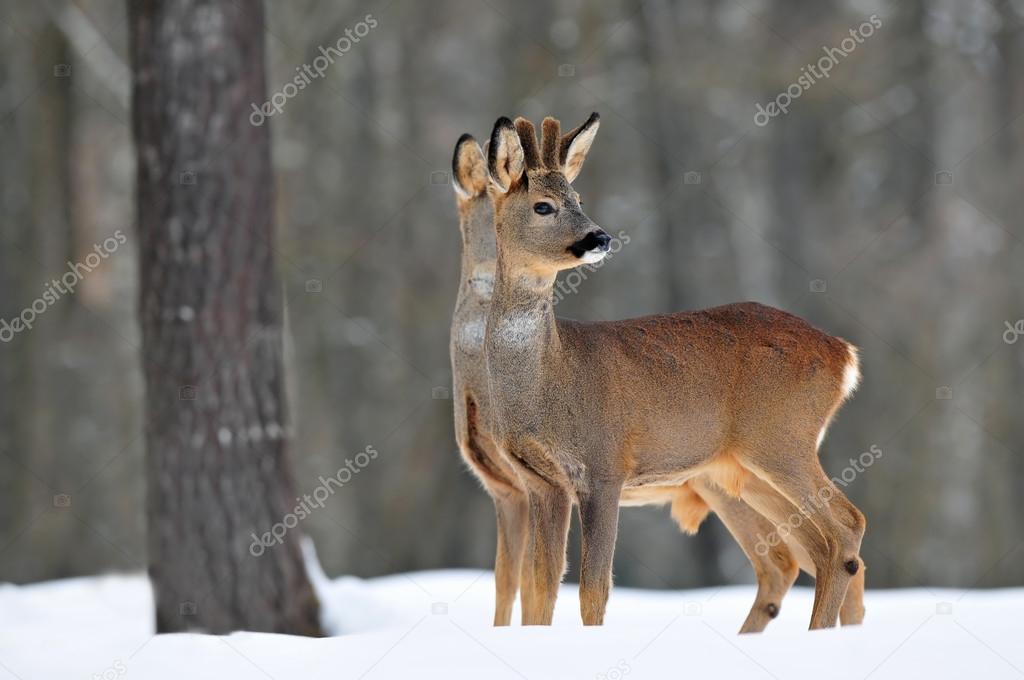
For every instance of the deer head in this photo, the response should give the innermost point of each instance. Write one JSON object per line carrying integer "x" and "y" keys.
{"x": 539, "y": 223}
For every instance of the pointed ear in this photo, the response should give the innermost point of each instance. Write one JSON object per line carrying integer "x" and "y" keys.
{"x": 576, "y": 144}
{"x": 469, "y": 168}
{"x": 505, "y": 160}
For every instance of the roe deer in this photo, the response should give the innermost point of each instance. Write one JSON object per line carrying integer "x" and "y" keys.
{"x": 499, "y": 478}
{"x": 775, "y": 569}
{"x": 740, "y": 395}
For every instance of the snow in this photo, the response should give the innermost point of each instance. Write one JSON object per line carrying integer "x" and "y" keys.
{"x": 437, "y": 625}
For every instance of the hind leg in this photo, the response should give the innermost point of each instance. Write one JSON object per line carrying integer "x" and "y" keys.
{"x": 768, "y": 541}
{"x": 774, "y": 566}
{"x": 852, "y": 611}
{"x": 840, "y": 525}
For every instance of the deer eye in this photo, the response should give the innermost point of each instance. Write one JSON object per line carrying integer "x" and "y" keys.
{"x": 543, "y": 208}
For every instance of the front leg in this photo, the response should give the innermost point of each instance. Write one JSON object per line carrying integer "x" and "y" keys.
{"x": 550, "y": 510}
{"x": 599, "y": 520}
{"x": 513, "y": 511}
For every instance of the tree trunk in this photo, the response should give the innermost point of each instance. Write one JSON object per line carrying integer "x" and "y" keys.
{"x": 211, "y": 334}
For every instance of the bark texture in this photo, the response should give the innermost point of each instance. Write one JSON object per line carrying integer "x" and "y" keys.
{"x": 216, "y": 432}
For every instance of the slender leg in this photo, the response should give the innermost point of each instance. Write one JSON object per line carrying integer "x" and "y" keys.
{"x": 599, "y": 521}
{"x": 839, "y": 523}
{"x": 774, "y": 566}
{"x": 513, "y": 512}
{"x": 511, "y": 506}
{"x": 852, "y": 611}
{"x": 550, "y": 508}
{"x": 527, "y": 582}
{"x": 789, "y": 526}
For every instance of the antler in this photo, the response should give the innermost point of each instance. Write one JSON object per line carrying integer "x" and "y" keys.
{"x": 528, "y": 140}
{"x": 548, "y": 156}
{"x": 553, "y": 154}
{"x": 552, "y": 133}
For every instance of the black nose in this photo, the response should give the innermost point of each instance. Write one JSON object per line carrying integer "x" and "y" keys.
{"x": 595, "y": 239}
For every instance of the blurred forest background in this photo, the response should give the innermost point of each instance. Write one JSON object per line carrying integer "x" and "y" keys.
{"x": 884, "y": 207}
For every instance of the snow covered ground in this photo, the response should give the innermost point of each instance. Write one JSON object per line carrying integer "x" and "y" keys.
{"x": 437, "y": 625}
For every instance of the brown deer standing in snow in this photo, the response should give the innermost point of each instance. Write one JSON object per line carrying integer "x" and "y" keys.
{"x": 469, "y": 377}
{"x": 775, "y": 569}
{"x": 737, "y": 397}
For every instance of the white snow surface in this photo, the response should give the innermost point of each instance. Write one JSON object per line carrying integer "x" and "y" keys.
{"x": 437, "y": 624}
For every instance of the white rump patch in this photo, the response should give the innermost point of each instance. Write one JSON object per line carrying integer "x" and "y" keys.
{"x": 851, "y": 373}
{"x": 851, "y": 378}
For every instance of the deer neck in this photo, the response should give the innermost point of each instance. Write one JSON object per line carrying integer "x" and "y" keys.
{"x": 523, "y": 346}
{"x": 476, "y": 283}
{"x": 522, "y": 319}
{"x": 470, "y": 319}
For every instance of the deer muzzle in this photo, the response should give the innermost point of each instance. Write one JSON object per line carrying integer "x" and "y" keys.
{"x": 592, "y": 247}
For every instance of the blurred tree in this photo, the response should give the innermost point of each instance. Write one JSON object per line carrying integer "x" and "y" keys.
{"x": 215, "y": 415}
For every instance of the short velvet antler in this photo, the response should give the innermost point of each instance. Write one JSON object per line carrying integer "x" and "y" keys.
{"x": 528, "y": 140}
{"x": 552, "y": 135}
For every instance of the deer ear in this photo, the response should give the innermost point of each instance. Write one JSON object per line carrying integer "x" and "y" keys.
{"x": 469, "y": 168}
{"x": 505, "y": 159}
{"x": 576, "y": 144}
